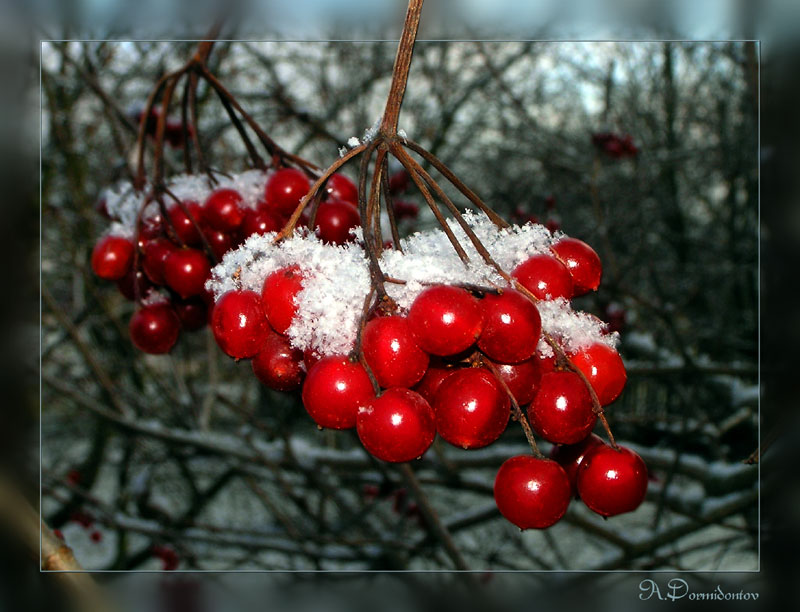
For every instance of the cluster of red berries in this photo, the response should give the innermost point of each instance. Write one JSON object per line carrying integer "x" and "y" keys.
{"x": 448, "y": 365}
{"x": 614, "y": 145}
{"x": 174, "y": 254}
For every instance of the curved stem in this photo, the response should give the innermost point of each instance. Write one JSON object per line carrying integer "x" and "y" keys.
{"x": 517, "y": 411}
{"x": 292, "y": 222}
{"x": 456, "y": 182}
{"x": 402, "y": 64}
{"x": 596, "y": 407}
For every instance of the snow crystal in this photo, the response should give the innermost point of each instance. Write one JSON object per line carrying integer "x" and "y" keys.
{"x": 353, "y": 142}
{"x": 123, "y": 202}
{"x": 336, "y": 279}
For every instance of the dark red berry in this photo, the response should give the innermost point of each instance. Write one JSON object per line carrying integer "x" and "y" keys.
{"x": 278, "y": 365}
{"x": 152, "y": 227}
{"x": 604, "y": 369}
{"x": 186, "y": 272}
{"x": 611, "y": 481}
{"x": 511, "y": 327}
{"x": 434, "y": 376}
{"x": 239, "y": 324}
{"x": 154, "y": 254}
{"x": 174, "y": 133}
{"x": 182, "y": 224}
{"x": 545, "y": 277}
{"x": 284, "y": 190}
{"x": 546, "y": 363}
{"x": 220, "y": 242}
{"x": 278, "y": 297}
{"x": 134, "y": 281}
{"x": 405, "y": 210}
{"x": 521, "y": 378}
{"x": 582, "y": 262}
{"x": 531, "y": 493}
{"x": 193, "y": 313}
{"x": 334, "y": 220}
{"x": 259, "y": 222}
{"x": 310, "y": 357}
{"x": 472, "y": 409}
{"x": 399, "y": 181}
{"x": 339, "y": 187}
{"x": 569, "y": 457}
{"x": 445, "y": 320}
{"x": 74, "y": 477}
{"x": 334, "y": 389}
{"x": 154, "y": 329}
{"x": 397, "y": 426}
{"x": 562, "y": 411}
{"x": 112, "y": 257}
{"x": 392, "y": 353}
{"x": 96, "y": 536}
{"x": 224, "y": 210}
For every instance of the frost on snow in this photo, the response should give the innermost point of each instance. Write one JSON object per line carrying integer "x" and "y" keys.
{"x": 123, "y": 202}
{"x": 336, "y": 279}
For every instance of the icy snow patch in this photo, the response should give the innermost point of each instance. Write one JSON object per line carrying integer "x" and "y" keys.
{"x": 336, "y": 279}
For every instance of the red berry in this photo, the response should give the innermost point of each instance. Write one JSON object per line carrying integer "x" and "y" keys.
{"x": 445, "y": 320}
{"x": 278, "y": 295}
{"x": 310, "y": 358}
{"x": 334, "y": 220}
{"x": 521, "y": 378}
{"x": 112, "y": 257}
{"x": 405, "y": 210}
{"x": 552, "y": 224}
{"x": 339, "y": 187}
{"x": 278, "y": 365}
{"x": 611, "y": 481}
{"x": 152, "y": 227}
{"x": 399, "y": 181}
{"x": 562, "y": 411}
{"x": 186, "y": 272}
{"x": 101, "y": 206}
{"x": 219, "y": 241}
{"x": 259, "y": 222}
{"x": 546, "y": 363}
{"x": 472, "y": 409}
{"x": 223, "y": 210}
{"x": 392, "y": 353}
{"x": 531, "y": 493}
{"x": 238, "y": 323}
{"x": 511, "y": 327}
{"x": 545, "y": 277}
{"x": 154, "y": 329}
{"x": 154, "y": 254}
{"x": 434, "y": 377}
{"x": 284, "y": 190}
{"x": 569, "y": 457}
{"x": 582, "y": 262}
{"x": 334, "y": 389}
{"x": 134, "y": 281}
{"x": 193, "y": 313}
{"x": 173, "y": 132}
{"x": 74, "y": 477}
{"x": 397, "y": 426}
{"x": 96, "y": 536}
{"x": 604, "y": 369}
{"x": 182, "y": 223}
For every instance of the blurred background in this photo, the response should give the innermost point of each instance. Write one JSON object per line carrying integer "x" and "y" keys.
{"x": 209, "y": 471}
